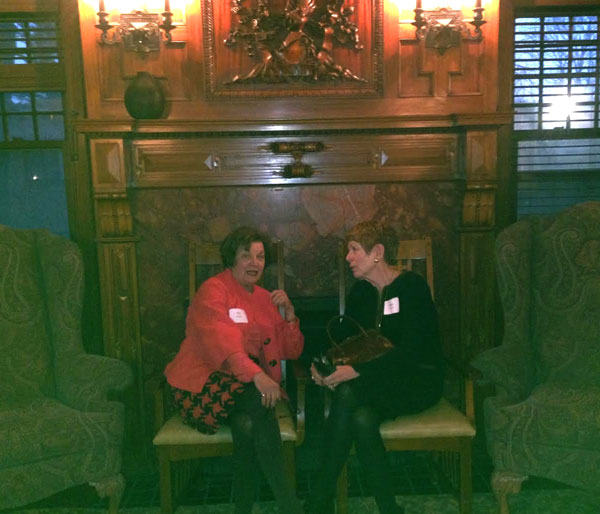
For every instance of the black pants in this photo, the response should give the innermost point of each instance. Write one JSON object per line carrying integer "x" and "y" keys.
{"x": 350, "y": 422}
{"x": 256, "y": 437}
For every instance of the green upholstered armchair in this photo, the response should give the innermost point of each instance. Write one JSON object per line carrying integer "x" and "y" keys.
{"x": 57, "y": 427}
{"x": 545, "y": 417}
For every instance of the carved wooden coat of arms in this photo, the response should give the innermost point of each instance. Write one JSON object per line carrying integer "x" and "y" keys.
{"x": 293, "y": 46}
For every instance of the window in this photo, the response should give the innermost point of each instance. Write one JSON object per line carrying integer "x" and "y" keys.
{"x": 556, "y": 94}
{"x": 28, "y": 41}
{"x": 32, "y": 184}
{"x": 32, "y": 189}
{"x": 32, "y": 123}
{"x": 32, "y": 116}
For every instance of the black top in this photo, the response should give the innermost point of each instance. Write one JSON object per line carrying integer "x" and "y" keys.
{"x": 409, "y": 378}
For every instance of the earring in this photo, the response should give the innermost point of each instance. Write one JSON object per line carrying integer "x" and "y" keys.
{"x": 376, "y": 259}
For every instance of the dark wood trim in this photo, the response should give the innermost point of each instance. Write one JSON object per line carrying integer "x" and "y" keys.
{"x": 77, "y": 177}
{"x": 245, "y": 125}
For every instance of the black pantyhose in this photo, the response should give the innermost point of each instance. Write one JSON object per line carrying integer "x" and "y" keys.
{"x": 350, "y": 422}
{"x": 256, "y": 437}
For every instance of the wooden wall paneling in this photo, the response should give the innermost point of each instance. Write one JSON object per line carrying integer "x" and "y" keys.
{"x": 402, "y": 78}
{"x": 464, "y": 76}
{"x": 117, "y": 264}
{"x": 109, "y": 68}
{"x": 424, "y": 72}
{"x": 249, "y": 161}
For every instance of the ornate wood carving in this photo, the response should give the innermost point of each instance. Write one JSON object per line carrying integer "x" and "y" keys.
{"x": 479, "y": 207}
{"x": 293, "y": 48}
{"x": 295, "y": 45}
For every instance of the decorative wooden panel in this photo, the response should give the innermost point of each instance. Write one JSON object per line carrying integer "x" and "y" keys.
{"x": 120, "y": 321}
{"x": 478, "y": 286}
{"x": 424, "y": 72}
{"x": 108, "y": 165}
{"x": 248, "y": 160}
{"x": 401, "y": 77}
{"x": 292, "y": 50}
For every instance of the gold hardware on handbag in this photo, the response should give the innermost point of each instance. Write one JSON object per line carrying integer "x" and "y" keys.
{"x": 357, "y": 349}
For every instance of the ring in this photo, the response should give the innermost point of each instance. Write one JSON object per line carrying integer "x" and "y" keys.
{"x": 262, "y": 394}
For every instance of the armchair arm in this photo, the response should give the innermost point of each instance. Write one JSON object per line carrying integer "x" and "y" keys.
{"x": 509, "y": 368}
{"x": 87, "y": 380}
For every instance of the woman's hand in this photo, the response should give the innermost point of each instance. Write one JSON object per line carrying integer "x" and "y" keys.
{"x": 267, "y": 387}
{"x": 280, "y": 299}
{"x": 316, "y": 376}
{"x": 341, "y": 374}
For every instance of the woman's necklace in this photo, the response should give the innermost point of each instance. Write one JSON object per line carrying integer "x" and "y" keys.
{"x": 380, "y": 303}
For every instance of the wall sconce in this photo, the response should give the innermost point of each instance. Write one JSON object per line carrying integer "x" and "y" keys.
{"x": 443, "y": 27}
{"x": 139, "y": 31}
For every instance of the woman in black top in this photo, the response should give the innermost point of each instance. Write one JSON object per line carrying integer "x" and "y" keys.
{"x": 406, "y": 380}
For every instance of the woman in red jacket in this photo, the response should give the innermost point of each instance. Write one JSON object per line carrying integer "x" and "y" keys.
{"x": 228, "y": 367}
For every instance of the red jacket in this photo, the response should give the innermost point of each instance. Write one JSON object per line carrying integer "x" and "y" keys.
{"x": 214, "y": 341}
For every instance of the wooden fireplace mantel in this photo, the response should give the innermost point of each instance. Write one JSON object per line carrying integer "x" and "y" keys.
{"x": 362, "y": 123}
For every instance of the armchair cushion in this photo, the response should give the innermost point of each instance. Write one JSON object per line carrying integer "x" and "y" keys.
{"x": 554, "y": 416}
{"x": 45, "y": 428}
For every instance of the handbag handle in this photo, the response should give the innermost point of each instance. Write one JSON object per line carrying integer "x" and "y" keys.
{"x": 342, "y": 317}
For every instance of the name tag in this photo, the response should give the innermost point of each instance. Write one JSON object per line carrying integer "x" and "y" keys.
{"x": 391, "y": 306}
{"x": 238, "y": 315}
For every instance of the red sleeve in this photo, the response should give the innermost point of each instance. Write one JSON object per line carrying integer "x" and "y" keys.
{"x": 291, "y": 340}
{"x": 241, "y": 366}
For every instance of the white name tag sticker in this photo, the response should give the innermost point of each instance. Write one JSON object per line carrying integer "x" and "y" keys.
{"x": 391, "y": 306}
{"x": 238, "y": 315}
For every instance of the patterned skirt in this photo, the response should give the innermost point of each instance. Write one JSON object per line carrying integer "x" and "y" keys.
{"x": 208, "y": 410}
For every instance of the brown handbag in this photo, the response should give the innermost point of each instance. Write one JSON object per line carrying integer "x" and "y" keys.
{"x": 357, "y": 349}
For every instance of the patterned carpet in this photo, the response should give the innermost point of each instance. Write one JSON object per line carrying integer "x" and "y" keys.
{"x": 559, "y": 501}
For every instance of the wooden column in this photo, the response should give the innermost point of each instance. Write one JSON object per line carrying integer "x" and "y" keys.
{"x": 477, "y": 273}
{"x": 118, "y": 276}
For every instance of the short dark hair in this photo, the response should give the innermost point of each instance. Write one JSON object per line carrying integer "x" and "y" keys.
{"x": 370, "y": 233}
{"x": 242, "y": 237}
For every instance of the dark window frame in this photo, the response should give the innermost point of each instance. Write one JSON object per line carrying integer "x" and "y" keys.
{"x": 556, "y": 172}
